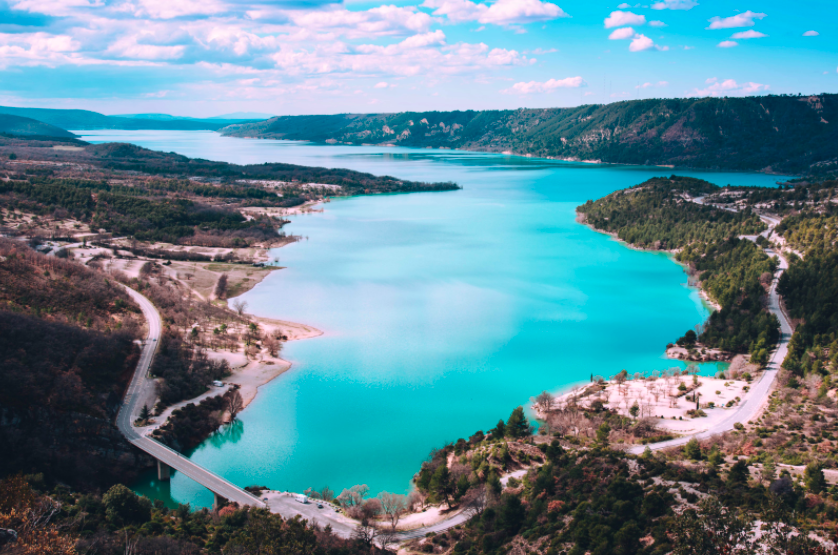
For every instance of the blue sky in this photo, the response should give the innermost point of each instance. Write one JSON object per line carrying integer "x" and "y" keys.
{"x": 207, "y": 57}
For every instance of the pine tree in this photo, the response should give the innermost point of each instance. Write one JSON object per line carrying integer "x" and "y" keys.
{"x": 693, "y": 450}
{"x": 441, "y": 484}
{"x": 602, "y": 435}
{"x": 813, "y": 478}
{"x": 145, "y": 414}
{"x": 518, "y": 425}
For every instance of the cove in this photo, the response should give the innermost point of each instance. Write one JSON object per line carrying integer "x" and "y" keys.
{"x": 442, "y": 311}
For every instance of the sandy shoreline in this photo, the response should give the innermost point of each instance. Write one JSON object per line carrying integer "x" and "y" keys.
{"x": 250, "y": 375}
{"x": 668, "y": 399}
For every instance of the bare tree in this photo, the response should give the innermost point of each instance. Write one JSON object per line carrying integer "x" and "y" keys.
{"x": 353, "y": 496}
{"x": 366, "y": 531}
{"x": 221, "y": 287}
{"x": 474, "y": 501}
{"x": 416, "y": 498}
{"x": 240, "y": 306}
{"x": 543, "y": 400}
{"x": 393, "y": 505}
{"x": 273, "y": 345}
{"x": 145, "y": 270}
{"x": 387, "y": 537}
{"x": 234, "y": 403}
{"x": 326, "y": 493}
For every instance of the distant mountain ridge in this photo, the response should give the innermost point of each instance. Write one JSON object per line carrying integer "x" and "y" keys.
{"x": 86, "y": 119}
{"x": 237, "y": 117}
{"x": 17, "y": 125}
{"x": 767, "y": 133}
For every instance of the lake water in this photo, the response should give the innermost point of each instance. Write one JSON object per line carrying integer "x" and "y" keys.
{"x": 442, "y": 312}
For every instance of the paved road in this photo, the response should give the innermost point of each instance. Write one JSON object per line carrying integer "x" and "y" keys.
{"x": 136, "y": 396}
{"x": 288, "y": 505}
{"x": 762, "y": 388}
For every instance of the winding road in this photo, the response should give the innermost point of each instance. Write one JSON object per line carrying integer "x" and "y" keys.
{"x": 760, "y": 390}
{"x": 140, "y": 390}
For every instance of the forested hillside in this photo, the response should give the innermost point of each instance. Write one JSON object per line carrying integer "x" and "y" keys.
{"x": 66, "y": 354}
{"x": 735, "y": 272}
{"x": 16, "y": 125}
{"x": 155, "y": 196}
{"x": 810, "y": 286}
{"x": 769, "y": 133}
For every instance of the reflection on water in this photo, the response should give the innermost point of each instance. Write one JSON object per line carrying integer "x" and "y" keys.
{"x": 228, "y": 433}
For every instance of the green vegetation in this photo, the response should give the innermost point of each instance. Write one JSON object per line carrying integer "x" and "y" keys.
{"x": 160, "y": 197}
{"x": 657, "y": 214}
{"x": 185, "y": 372}
{"x": 599, "y": 501}
{"x": 810, "y": 290}
{"x": 127, "y": 157}
{"x": 773, "y": 133}
{"x": 810, "y": 286}
{"x": 735, "y": 272}
{"x": 16, "y": 125}
{"x": 57, "y": 521}
{"x": 66, "y": 353}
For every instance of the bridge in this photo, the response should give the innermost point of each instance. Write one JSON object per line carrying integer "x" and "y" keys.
{"x": 140, "y": 392}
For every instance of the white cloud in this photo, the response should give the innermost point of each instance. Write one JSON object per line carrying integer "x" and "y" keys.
{"x": 727, "y": 44}
{"x": 811, "y": 34}
{"x": 380, "y": 21}
{"x": 640, "y": 43}
{"x": 502, "y": 12}
{"x": 381, "y": 85}
{"x": 542, "y": 51}
{"x": 675, "y": 5}
{"x": 749, "y": 34}
{"x": 652, "y": 85}
{"x": 621, "y": 19}
{"x": 168, "y": 9}
{"x": 130, "y": 47}
{"x": 55, "y": 7}
{"x": 740, "y": 20}
{"x": 624, "y": 6}
{"x": 621, "y": 33}
{"x": 730, "y": 87}
{"x": 426, "y": 39}
{"x": 425, "y": 54}
{"x": 547, "y": 86}
{"x": 657, "y": 23}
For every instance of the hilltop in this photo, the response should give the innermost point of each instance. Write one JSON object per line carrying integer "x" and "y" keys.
{"x": 17, "y": 125}
{"x": 86, "y": 119}
{"x": 769, "y": 133}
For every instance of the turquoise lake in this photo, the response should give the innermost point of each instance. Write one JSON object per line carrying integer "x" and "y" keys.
{"x": 442, "y": 312}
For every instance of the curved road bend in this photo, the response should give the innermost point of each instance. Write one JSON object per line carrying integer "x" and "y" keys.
{"x": 140, "y": 390}
{"x": 762, "y": 388}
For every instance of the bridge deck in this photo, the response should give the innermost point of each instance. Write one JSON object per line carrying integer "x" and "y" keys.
{"x": 140, "y": 384}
